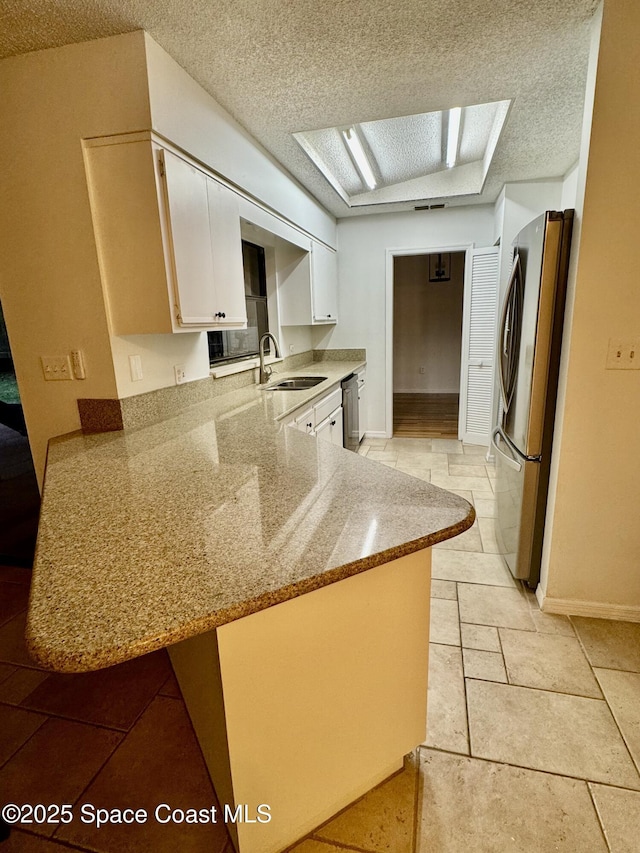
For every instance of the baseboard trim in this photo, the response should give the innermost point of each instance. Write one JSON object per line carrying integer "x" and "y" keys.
{"x": 376, "y": 434}
{"x": 592, "y": 609}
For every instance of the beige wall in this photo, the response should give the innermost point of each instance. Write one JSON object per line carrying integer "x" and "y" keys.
{"x": 592, "y": 548}
{"x": 49, "y": 279}
{"x": 427, "y": 326}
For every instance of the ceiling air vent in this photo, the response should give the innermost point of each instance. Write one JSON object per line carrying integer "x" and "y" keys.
{"x": 429, "y": 206}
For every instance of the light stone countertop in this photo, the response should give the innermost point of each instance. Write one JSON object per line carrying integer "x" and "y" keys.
{"x": 153, "y": 535}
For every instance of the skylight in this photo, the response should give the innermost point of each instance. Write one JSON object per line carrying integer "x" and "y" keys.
{"x": 409, "y": 158}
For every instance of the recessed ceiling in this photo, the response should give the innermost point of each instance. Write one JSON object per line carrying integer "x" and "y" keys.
{"x": 409, "y": 158}
{"x": 280, "y": 68}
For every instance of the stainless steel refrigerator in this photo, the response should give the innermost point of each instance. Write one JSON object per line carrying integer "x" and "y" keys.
{"x": 529, "y": 341}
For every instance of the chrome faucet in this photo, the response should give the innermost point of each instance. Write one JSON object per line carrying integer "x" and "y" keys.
{"x": 266, "y": 370}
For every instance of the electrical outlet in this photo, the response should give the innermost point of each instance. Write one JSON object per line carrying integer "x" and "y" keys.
{"x": 623, "y": 354}
{"x": 56, "y": 368}
{"x": 180, "y": 373}
{"x": 422, "y": 370}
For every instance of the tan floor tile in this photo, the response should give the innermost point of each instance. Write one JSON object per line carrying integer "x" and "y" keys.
{"x": 467, "y": 470}
{"x": 467, "y": 541}
{"x": 444, "y": 481}
{"x": 497, "y": 606}
{"x": 16, "y": 727}
{"x": 382, "y": 455}
{"x": 21, "y": 684}
{"x": 488, "y": 536}
{"x": 468, "y": 460}
{"x": 479, "y": 637}
{"x": 363, "y": 450}
{"x": 113, "y": 697}
{"x": 475, "y": 449}
{"x": 446, "y": 703}
{"x": 432, "y": 461}
{"x": 491, "y": 471}
{"x": 485, "y": 494}
{"x": 445, "y": 626}
{"x": 481, "y": 807}
{"x": 414, "y": 445}
{"x": 446, "y": 445}
{"x": 555, "y": 732}
{"x": 375, "y": 442}
{"x": 485, "y": 507}
{"x": 383, "y": 820}
{"x": 622, "y": 692}
{"x": 159, "y": 761}
{"x": 439, "y": 589}
{"x": 414, "y": 471}
{"x": 552, "y": 623}
{"x": 487, "y": 666}
{"x": 614, "y": 645}
{"x": 470, "y": 567}
{"x": 548, "y": 662}
{"x": 620, "y": 815}
{"x": 55, "y": 765}
{"x": 310, "y": 845}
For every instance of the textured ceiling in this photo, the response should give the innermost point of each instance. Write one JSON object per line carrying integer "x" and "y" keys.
{"x": 280, "y": 66}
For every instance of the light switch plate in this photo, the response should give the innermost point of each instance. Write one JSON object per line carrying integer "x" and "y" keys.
{"x": 56, "y": 367}
{"x": 623, "y": 354}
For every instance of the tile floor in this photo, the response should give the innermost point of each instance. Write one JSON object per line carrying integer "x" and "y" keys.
{"x": 533, "y": 735}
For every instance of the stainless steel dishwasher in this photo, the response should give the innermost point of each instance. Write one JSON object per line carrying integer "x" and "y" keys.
{"x": 351, "y": 430}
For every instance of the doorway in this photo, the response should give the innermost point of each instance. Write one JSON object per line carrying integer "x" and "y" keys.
{"x": 19, "y": 494}
{"x": 428, "y": 300}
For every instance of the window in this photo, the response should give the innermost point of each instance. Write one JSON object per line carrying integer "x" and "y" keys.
{"x": 244, "y": 343}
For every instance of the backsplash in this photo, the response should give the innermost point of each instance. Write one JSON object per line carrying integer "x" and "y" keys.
{"x": 107, "y": 415}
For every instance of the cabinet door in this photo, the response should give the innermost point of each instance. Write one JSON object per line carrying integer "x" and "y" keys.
{"x": 324, "y": 284}
{"x": 305, "y": 422}
{"x": 336, "y": 422}
{"x": 188, "y": 214}
{"x": 323, "y": 431}
{"x": 226, "y": 252}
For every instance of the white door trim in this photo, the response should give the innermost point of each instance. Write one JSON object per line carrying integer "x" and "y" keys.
{"x": 390, "y": 255}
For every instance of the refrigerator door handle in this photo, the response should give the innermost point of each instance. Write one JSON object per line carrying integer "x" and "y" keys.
{"x": 510, "y": 461}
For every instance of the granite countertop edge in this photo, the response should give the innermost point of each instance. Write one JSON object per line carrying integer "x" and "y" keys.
{"x": 57, "y": 652}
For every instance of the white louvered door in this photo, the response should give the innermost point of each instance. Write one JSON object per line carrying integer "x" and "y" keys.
{"x": 478, "y": 347}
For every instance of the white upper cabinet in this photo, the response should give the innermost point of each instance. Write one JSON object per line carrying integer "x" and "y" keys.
{"x": 168, "y": 240}
{"x": 324, "y": 284}
{"x": 307, "y": 285}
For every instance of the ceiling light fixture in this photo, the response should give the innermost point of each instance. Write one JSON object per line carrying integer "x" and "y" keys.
{"x": 453, "y": 136}
{"x": 355, "y": 147}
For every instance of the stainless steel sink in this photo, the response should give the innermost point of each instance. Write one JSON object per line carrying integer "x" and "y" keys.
{"x": 296, "y": 383}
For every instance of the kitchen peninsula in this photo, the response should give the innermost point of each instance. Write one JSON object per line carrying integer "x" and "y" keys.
{"x": 288, "y": 577}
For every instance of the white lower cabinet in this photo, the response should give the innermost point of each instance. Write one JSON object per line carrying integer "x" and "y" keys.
{"x": 331, "y": 428}
{"x": 321, "y": 417}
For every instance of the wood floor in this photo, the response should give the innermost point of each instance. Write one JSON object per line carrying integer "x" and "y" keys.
{"x": 425, "y": 415}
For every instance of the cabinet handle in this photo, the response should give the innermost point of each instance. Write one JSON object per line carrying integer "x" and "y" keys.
{"x": 333, "y": 423}
{"x": 310, "y": 425}
{"x": 220, "y": 314}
